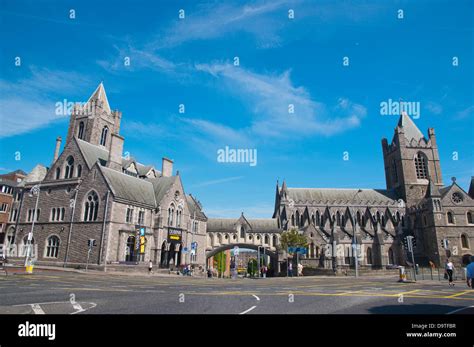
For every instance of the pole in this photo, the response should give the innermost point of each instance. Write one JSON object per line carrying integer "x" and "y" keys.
{"x": 88, "y": 255}
{"x": 258, "y": 260}
{"x": 35, "y": 215}
{"x": 70, "y": 228}
{"x": 410, "y": 248}
{"x": 354, "y": 241}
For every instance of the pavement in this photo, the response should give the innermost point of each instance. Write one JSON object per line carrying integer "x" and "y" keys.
{"x": 74, "y": 292}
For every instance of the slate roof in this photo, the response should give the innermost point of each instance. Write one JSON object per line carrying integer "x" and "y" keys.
{"x": 161, "y": 185}
{"x": 410, "y": 130}
{"x": 195, "y": 207}
{"x": 100, "y": 95}
{"x": 92, "y": 153}
{"x": 129, "y": 188}
{"x": 336, "y": 195}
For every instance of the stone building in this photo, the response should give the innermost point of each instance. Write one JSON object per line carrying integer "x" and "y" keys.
{"x": 91, "y": 195}
{"x": 8, "y": 196}
{"x": 415, "y": 203}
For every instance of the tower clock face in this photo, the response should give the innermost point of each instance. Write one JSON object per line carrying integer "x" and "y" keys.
{"x": 457, "y": 198}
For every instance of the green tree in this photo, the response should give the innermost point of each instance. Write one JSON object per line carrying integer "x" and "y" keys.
{"x": 292, "y": 238}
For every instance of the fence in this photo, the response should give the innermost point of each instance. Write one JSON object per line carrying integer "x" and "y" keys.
{"x": 434, "y": 274}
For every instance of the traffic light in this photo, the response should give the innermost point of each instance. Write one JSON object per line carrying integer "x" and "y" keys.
{"x": 91, "y": 243}
{"x": 445, "y": 243}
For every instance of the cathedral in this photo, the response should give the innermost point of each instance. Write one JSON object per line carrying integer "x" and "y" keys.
{"x": 95, "y": 206}
{"x": 375, "y": 222}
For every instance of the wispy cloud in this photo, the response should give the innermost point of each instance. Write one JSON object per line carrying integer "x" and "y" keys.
{"x": 434, "y": 107}
{"x": 271, "y": 96}
{"x": 467, "y": 112}
{"x": 29, "y": 103}
{"x": 218, "y": 181}
{"x": 211, "y": 22}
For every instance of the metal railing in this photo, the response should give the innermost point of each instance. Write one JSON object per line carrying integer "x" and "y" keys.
{"x": 433, "y": 274}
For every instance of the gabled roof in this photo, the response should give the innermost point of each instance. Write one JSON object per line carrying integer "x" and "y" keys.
{"x": 92, "y": 153}
{"x": 410, "y": 130}
{"x": 129, "y": 188}
{"x": 335, "y": 195}
{"x": 161, "y": 185}
{"x": 195, "y": 208}
{"x": 100, "y": 95}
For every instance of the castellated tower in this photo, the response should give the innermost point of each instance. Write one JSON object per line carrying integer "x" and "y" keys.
{"x": 411, "y": 161}
{"x": 94, "y": 121}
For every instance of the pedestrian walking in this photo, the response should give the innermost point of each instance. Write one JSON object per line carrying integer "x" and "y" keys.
{"x": 300, "y": 269}
{"x": 470, "y": 273}
{"x": 449, "y": 271}
{"x": 150, "y": 267}
{"x": 290, "y": 269}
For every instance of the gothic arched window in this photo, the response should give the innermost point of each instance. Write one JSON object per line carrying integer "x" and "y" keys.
{"x": 450, "y": 218}
{"x": 52, "y": 247}
{"x": 91, "y": 207}
{"x": 58, "y": 173}
{"x": 69, "y": 167}
{"x": 79, "y": 171}
{"x": 469, "y": 218}
{"x": 103, "y": 136}
{"x": 421, "y": 166}
{"x": 242, "y": 233}
{"x": 80, "y": 132}
{"x": 464, "y": 241}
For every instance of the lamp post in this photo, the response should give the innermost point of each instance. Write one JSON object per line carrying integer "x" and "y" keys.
{"x": 35, "y": 190}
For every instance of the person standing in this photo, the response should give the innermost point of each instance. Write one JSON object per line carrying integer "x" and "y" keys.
{"x": 300, "y": 269}
{"x": 470, "y": 273}
{"x": 290, "y": 269}
{"x": 449, "y": 271}
{"x": 150, "y": 267}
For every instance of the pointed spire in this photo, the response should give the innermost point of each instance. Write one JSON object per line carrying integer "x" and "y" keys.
{"x": 100, "y": 96}
{"x": 283, "y": 186}
{"x": 410, "y": 129}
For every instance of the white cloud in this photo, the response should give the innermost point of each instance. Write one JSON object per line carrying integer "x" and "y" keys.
{"x": 29, "y": 103}
{"x": 270, "y": 97}
{"x": 218, "y": 181}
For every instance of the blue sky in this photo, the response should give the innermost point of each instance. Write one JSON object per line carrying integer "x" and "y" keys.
{"x": 282, "y": 61}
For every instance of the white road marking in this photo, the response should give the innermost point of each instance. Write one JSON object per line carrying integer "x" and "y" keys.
{"x": 37, "y": 309}
{"x": 247, "y": 311}
{"x": 460, "y": 309}
{"x": 256, "y": 297}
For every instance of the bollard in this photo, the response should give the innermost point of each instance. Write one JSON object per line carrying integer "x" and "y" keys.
{"x": 403, "y": 276}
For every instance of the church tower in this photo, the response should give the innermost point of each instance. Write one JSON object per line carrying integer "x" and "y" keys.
{"x": 94, "y": 121}
{"x": 411, "y": 161}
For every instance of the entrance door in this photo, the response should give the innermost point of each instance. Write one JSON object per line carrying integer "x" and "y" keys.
{"x": 164, "y": 256}
{"x": 131, "y": 253}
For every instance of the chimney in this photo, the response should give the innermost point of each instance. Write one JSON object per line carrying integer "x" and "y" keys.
{"x": 56, "y": 150}
{"x": 167, "y": 167}
{"x": 115, "y": 153}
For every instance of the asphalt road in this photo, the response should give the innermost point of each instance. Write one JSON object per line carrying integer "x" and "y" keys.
{"x": 49, "y": 292}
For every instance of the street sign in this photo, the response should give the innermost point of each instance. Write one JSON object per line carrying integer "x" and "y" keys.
{"x": 174, "y": 235}
{"x": 185, "y": 250}
{"x": 194, "y": 245}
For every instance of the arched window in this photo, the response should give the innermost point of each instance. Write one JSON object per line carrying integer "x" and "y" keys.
{"x": 469, "y": 218}
{"x": 317, "y": 218}
{"x": 80, "y": 133}
{"x": 302, "y": 220}
{"x": 58, "y": 173}
{"x": 91, "y": 207}
{"x": 103, "y": 136}
{"x": 69, "y": 167}
{"x": 52, "y": 247}
{"x": 170, "y": 215}
{"x": 267, "y": 239}
{"x": 450, "y": 218}
{"x": 369, "y": 255}
{"x": 11, "y": 236}
{"x": 25, "y": 246}
{"x": 275, "y": 240}
{"x": 338, "y": 219}
{"x": 313, "y": 220}
{"x": 242, "y": 233}
{"x": 464, "y": 241}
{"x": 297, "y": 218}
{"x": 421, "y": 166}
{"x": 292, "y": 220}
{"x": 79, "y": 170}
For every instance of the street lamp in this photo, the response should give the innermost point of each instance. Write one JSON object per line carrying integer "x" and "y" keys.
{"x": 34, "y": 191}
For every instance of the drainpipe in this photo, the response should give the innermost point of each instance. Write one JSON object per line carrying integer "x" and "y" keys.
{"x": 103, "y": 227}
{"x": 70, "y": 225}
